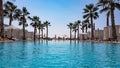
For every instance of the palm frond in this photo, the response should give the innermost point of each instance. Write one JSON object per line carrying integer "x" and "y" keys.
{"x": 95, "y": 9}
{"x": 20, "y": 23}
{"x": 104, "y": 9}
{"x": 117, "y": 5}
{"x": 78, "y": 21}
{"x": 85, "y": 10}
{"x": 86, "y": 16}
{"x": 95, "y": 15}
{"x": 26, "y": 24}
{"x": 90, "y": 6}
{"x": 47, "y": 23}
{"x": 25, "y": 12}
{"x": 30, "y": 18}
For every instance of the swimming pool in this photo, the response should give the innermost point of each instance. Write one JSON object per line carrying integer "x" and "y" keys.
{"x": 59, "y": 54}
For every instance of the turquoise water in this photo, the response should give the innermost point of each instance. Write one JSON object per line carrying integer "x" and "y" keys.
{"x": 59, "y": 54}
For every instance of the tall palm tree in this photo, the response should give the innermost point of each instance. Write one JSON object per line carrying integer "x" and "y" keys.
{"x": 9, "y": 11}
{"x": 110, "y": 6}
{"x": 42, "y": 28}
{"x": 90, "y": 12}
{"x": 78, "y": 25}
{"x": 39, "y": 27}
{"x": 22, "y": 19}
{"x": 1, "y": 19}
{"x": 46, "y": 24}
{"x": 82, "y": 28}
{"x": 34, "y": 24}
{"x": 86, "y": 24}
{"x": 75, "y": 29}
{"x": 70, "y": 26}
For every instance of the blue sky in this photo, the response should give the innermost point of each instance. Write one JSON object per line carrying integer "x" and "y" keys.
{"x": 60, "y": 13}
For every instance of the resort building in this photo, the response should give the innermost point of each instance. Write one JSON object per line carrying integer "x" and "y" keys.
{"x": 84, "y": 36}
{"x": 29, "y": 35}
{"x": 98, "y": 34}
{"x": 14, "y": 32}
{"x": 108, "y": 32}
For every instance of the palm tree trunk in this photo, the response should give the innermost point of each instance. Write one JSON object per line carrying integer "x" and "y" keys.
{"x": 82, "y": 34}
{"x": 92, "y": 29}
{"x": 39, "y": 34}
{"x": 107, "y": 21}
{"x": 114, "y": 36}
{"x": 24, "y": 38}
{"x": 78, "y": 32}
{"x": 86, "y": 29}
{"x": 70, "y": 33}
{"x": 107, "y": 24}
{"x": 75, "y": 35}
{"x": 10, "y": 20}
{"x": 1, "y": 20}
{"x": 42, "y": 33}
{"x": 34, "y": 33}
{"x": 46, "y": 32}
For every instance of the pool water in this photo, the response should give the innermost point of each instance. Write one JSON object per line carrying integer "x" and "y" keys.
{"x": 59, "y": 54}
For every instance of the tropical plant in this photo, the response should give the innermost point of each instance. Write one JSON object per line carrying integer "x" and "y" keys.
{"x": 75, "y": 28}
{"x": 78, "y": 25}
{"x": 82, "y": 28}
{"x": 110, "y": 6}
{"x": 39, "y": 27}
{"x": 86, "y": 24}
{"x": 46, "y": 24}
{"x": 1, "y": 20}
{"x": 90, "y": 12}
{"x": 22, "y": 19}
{"x": 42, "y": 28}
{"x": 70, "y": 26}
{"x": 9, "y": 11}
{"x": 34, "y": 24}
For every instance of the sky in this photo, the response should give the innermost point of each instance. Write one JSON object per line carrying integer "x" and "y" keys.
{"x": 60, "y": 13}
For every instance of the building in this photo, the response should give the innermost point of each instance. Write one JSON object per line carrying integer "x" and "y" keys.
{"x": 29, "y": 35}
{"x": 98, "y": 34}
{"x": 17, "y": 33}
{"x": 108, "y": 32}
{"x": 84, "y": 36}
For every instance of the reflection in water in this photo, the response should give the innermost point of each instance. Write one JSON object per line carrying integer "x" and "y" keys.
{"x": 63, "y": 54}
{"x": 22, "y": 54}
{"x": 46, "y": 42}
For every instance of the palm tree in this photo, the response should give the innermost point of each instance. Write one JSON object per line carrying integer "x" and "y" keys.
{"x": 86, "y": 24}
{"x": 90, "y": 12}
{"x": 70, "y": 26}
{"x": 110, "y": 6}
{"x": 1, "y": 19}
{"x": 22, "y": 19}
{"x": 9, "y": 11}
{"x": 78, "y": 24}
{"x": 42, "y": 28}
{"x": 82, "y": 28}
{"x": 75, "y": 29}
{"x": 46, "y": 24}
{"x": 34, "y": 24}
{"x": 39, "y": 27}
